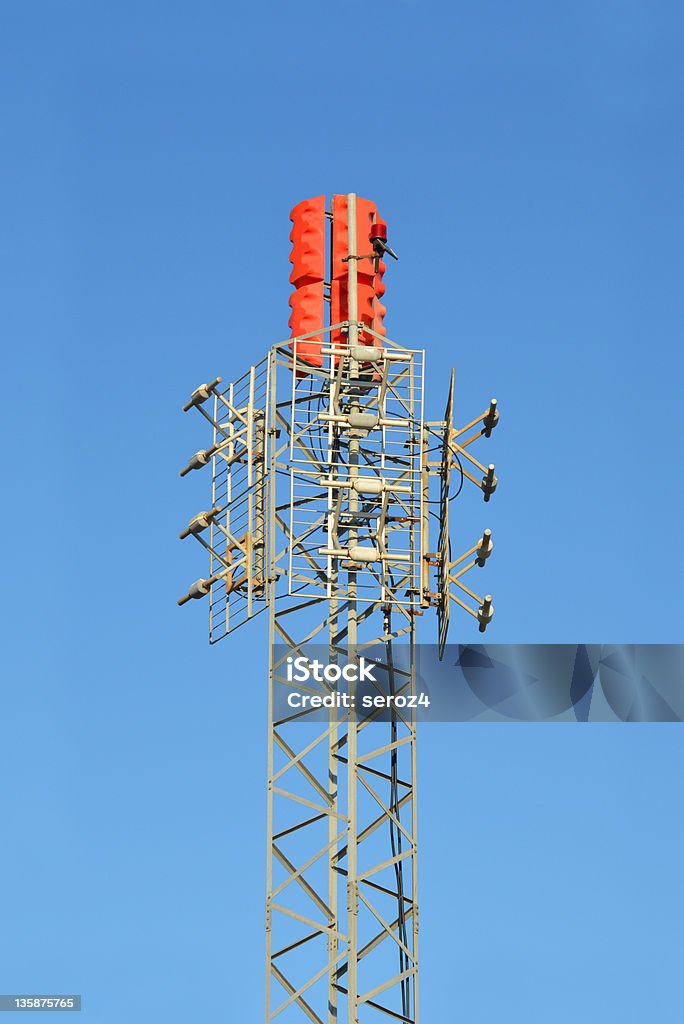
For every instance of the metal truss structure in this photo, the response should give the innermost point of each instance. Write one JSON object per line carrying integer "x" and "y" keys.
{"x": 323, "y": 481}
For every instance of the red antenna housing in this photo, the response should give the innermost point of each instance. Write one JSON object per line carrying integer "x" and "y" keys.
{"x": 308, "y": 257}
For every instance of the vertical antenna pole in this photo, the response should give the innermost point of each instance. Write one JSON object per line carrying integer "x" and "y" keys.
{"x": 352, "y": 867}
{"x": 333, "y": 455}
{"x": 352, "y": 270}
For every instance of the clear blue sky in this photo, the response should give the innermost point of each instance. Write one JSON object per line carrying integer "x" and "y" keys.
{"x": 528, "y": 158}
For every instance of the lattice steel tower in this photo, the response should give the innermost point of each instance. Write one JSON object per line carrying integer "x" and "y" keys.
{"x": 324, "y": 478}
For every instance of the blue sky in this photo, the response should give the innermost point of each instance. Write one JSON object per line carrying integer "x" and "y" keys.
{"x": 528, "y": 159}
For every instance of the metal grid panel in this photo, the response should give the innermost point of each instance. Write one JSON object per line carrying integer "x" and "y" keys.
{"x": 370, "y": 502}
{"x": 240, "y": 489}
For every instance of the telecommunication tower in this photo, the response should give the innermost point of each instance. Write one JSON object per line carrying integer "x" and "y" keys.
{"x": 325, "y": 478}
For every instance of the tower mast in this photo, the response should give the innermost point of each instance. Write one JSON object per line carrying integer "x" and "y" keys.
{"x": 321, "y": 483}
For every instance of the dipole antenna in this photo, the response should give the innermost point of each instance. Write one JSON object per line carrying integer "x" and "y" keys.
{"x": 324, "y": 471}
